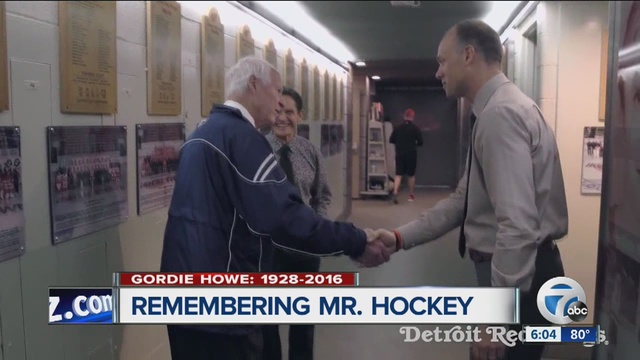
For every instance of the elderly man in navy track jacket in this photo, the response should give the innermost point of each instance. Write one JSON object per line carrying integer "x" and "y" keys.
{"x": 232, "y": 203}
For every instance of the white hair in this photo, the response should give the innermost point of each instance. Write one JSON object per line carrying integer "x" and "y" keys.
{"x": 236, "y": 81}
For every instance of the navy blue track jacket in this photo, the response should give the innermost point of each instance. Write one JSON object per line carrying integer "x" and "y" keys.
{"x": 232, "y": 203}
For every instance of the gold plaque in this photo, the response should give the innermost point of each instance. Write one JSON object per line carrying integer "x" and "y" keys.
{"x": 304, "y": 86}
{"x": 4, "y": 69}
{"x": 246, "y": 45}
{"x": 271, "y": 54}
{"x": 340, "y": 100}
{"x": 316, "y": 93}
{"x": 289, "y": 70}
{"x": 88, "y": 61}
{"x": 212, "y": 62}
{"x": 327, "y": 96}
{"x": 164, "y": 58}
{"x": 334, "y": 98}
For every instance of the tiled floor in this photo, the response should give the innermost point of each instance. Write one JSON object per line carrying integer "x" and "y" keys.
{"x": 436, "y": 263}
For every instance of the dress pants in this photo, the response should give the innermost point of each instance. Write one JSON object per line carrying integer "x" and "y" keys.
{"x": 300, "y": 336}
{"x": 192, "y": 344}
{"x": 548, "y": 266}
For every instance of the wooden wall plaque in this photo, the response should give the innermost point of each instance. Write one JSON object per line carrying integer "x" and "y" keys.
{"x": 289, "y": 70}
{"x": 4, "y": 66}
{"x": 341, "y": 106}
{"x": 271, "y": 54}
{"x": 316, "y": 93}
{"x": 334, "y": 98}
{"x": 304, "y": 87}
{"x": 327, "y": 96}
{"x": 164, "y": 58}
{"x": 212, "y": 62}
{"x": 246, "y": 45}
{"x": 88, "y": 60}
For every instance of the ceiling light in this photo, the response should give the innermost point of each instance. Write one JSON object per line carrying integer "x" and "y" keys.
{"x": 361, "y": 63}
{"x": 375, "y": 77}
{"x": 413, "y": 4}
{"x": 500, "y": 12}
{"x": 295, "y": 15}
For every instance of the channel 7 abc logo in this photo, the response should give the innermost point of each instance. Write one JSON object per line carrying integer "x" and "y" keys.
{"x": 562, "y": 301}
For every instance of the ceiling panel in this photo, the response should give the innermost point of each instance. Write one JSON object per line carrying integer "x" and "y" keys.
{"x": 375, "y": 30}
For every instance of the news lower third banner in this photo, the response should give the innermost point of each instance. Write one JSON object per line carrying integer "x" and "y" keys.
{"x": 81, "y": 306}
{"x": 289, "y": 305}
{"x": 232, "y": 305}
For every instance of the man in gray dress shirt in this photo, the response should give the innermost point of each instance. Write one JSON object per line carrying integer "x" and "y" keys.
{"x": 510, "y": 203}
{"x": 302, "y": 162}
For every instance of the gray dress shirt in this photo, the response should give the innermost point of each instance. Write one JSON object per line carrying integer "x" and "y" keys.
{"x": 308, "y": 170}
{"x": 516, "y": 190}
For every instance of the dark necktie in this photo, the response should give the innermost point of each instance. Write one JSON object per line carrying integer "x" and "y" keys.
{"x": 285, "y": 163}
{"x": 462, "y": 241}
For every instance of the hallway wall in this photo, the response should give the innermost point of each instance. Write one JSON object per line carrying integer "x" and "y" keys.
{"x": 569, "y": 47}
{"x": 33, "y": 53}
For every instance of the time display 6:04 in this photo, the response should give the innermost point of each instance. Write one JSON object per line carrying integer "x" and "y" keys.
{"x": 543, "y": 334}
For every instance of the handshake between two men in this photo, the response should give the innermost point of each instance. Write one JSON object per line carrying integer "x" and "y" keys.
{"x": 381, "y": 244}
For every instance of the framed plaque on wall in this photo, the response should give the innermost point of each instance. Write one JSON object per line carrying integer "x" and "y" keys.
{"x": 289, "y": 70}
{"x": 212, "y": 63}
{"x": 334, "y": 98}
{"x": 12, "y": 235}
{"x": 164, "y": 58}
{"x": 271, "y": 54}
{"x": 592, "y": 160}
{"x": 88, "y": 61}
{"x": 303, "y": 130}
{"x": 304, "y": 87}
{"x": 4, "y": 68}
{"x": 327, "y": 96}
{"x": 87, "y": 170}
{"x": 157, "y": 150}
{"x": 246, "y": 45}
{"x": 341, "y": 106}
{"x": 316, "y": 93}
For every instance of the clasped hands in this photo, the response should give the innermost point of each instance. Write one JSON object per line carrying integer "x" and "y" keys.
{"x": 381, "y": 244}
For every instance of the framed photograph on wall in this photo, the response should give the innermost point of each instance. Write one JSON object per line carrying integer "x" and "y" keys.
{"x": 325, "y": 140}
{"x": 12, "y": 218}
{"x": 592, "y": 156}
{"x": 87, "y": 179}
{"x": 157, "y": 151}
{"x": 303, "y": 131}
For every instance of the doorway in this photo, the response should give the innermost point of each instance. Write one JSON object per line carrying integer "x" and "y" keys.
{"x": 436, "y": 116}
